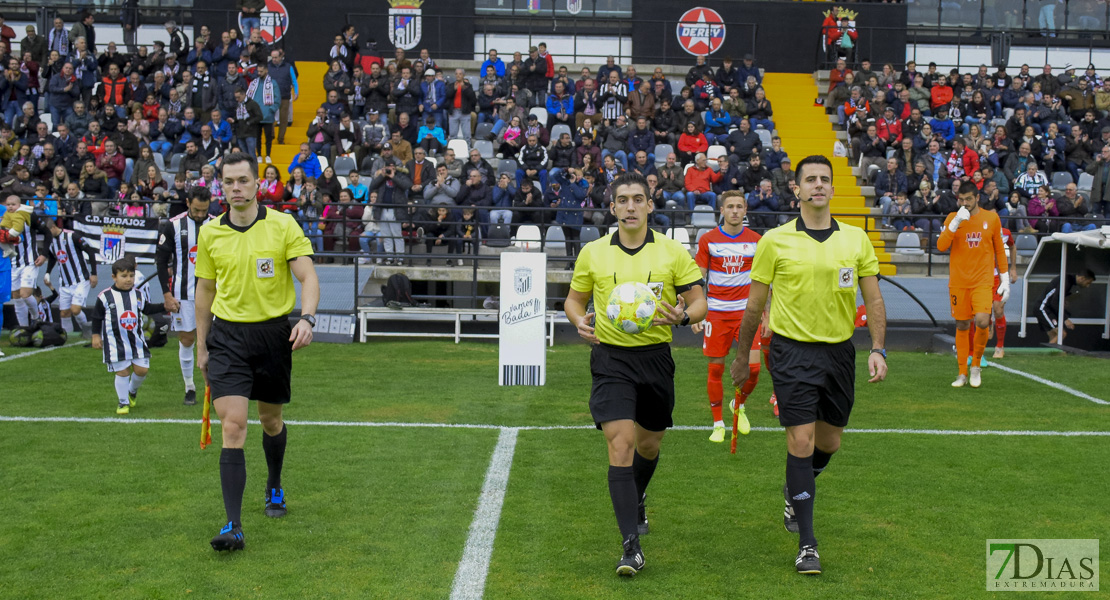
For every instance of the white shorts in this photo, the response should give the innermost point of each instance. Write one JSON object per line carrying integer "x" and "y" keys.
{"x": 73, "y": 294}
{"x": 116, "y": 367}
{"x": 24, "y": 277}
{"x": 185, "y": 319}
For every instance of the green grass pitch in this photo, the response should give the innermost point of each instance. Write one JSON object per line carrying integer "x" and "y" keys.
{"x": 103, "y": 509}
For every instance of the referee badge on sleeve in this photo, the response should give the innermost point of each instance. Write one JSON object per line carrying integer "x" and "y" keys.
{"x": 265, "y": 267}
{"x": 847, "y": 277}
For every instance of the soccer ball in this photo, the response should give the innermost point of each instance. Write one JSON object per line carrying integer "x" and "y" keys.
{"x": 20, "y": 338}
{"x": 631, "y": 307}
{"x": 37, "y": 338}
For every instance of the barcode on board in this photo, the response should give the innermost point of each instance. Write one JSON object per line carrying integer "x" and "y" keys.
{"x": 520, "y": 375}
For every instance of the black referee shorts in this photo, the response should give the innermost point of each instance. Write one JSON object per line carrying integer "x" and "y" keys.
{"x": 813, "y": 381}
{"x": 254, "y": 360}
{"x": 634, "y": 383}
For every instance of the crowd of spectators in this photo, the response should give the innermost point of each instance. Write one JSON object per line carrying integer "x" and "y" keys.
{"x": 1037, "y": 144}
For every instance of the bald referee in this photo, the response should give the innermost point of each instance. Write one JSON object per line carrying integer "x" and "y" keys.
{"x": 246, "y": 260}
{"x": 814, "y": 264}
{"x": 633, "y": 375}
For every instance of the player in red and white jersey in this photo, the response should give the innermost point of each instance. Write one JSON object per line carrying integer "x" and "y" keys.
{"x": 999, "y": 306}
{"x": 725, "y": 257}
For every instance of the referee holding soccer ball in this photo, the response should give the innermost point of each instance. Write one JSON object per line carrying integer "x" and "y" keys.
{"x": 246, "y": 260}
{"x": 815, "y": 265}
{"x": 633, "y": 375}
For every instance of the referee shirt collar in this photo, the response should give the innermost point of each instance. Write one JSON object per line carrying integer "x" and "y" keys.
{"x": 616, "y": 241}
{"x": 818, "y": 234}
{"x": 226, "y": 219}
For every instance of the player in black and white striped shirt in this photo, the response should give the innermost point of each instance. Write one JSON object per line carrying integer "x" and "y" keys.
{"x": 176, "y": 259}
{"x": 77, "y": 274}
{"x": 118, "y": 330}
{"x": 29, "y": 256}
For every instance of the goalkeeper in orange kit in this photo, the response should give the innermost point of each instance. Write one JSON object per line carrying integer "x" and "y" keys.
{"x": 975, "y": 238}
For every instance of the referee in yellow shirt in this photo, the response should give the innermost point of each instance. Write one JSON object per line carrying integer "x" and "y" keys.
{"x": 633, "y": 375}
{"x": 814, "y": 265}
{"x": 246, "y": 260}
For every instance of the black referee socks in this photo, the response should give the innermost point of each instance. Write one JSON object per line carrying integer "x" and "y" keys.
{"x": 802, "y": 488}
{"x": 622, "y": 490}
{"x": 642, "y": 470}
{"x": 820, "y": 460}
{"x": 233, "y": 480}
{"x": 274, "y": 447}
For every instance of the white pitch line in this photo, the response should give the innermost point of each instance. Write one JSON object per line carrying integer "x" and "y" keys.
{"x": 1050, "y": 383}
{"x": 470, "y": 578}
{"x": 502, "y": 428}
{"x": 39, "y": 351}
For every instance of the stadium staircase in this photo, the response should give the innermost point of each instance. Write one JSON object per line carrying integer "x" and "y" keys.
{"x": 312, "y": 95}
{"x": 805, "y": 130}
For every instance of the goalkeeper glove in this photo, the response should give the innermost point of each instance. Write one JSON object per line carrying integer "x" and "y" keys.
{"x": 961, "y": 215}
{"x": 1004, "y": 286}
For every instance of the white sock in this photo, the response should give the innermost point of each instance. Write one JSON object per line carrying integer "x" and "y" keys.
{"x": 185, "y": 357}
{"x": 82, "y": 321}
{"x": 136, "y": 381}
{"x": 67, "y": 325}
{"x": 121, "y": 389}
{"x": 32, "y": 306}
{"x": 718, "y": 423}
{"x": 21, "y": 313}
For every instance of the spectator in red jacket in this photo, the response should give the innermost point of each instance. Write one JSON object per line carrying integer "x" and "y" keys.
{"x": 940, "y": 94}
{"x": 113, "y": 164}
{"x": 699, "y": 183}
{"x": 889, "y": 127}
{"x": 836, "y": 76}
{"x": 691, "y": 142}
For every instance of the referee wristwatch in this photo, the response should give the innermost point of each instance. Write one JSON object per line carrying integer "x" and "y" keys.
{"x": 880, "y": 351}
{"x": 685, "y": 319}
{"x": 311, "y": 320}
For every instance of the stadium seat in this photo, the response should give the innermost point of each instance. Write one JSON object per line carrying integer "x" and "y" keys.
{"x": 49, "y": 120}
{"x": 484, "y": 131}
{"x": 433, "y": 160}
{"x": 715, "y": 151}
{"x": 160, "y": 161}
{"x": 485, "y": 147}
{"x": 344, "y": 165}
{"x": 499, "y": 236}
{"x": 686, "y": 168}
{"x": 676, "y": 87}
{"x": 559, "y": 129}
{"x": 461, "y": 148}
{"x": 507, "y": 165}
{"x": 1026, "y": 244}
{"x": 555, "y": 243}
{"x": 342, "y": 179}
{"x": 323, "y": 160}
{"x": 891, "y": 152}
{"x": 474, "y": 80}
{"x": 703, "y": 217}
{"x": 764, "y": 137}
{"x": 613, "y": 228}
{"x": 1086, "y": 181}
{"x": 589, "y": 233}
{"x": 681, "y": 235}
{"x": 661, "y": 152}
{"x": 175, "y": 161}
{"x": 1060, "y": 180}
{"x": 528, "y": 237}
{"x": 701, "y": 232}
{"x": 540, "y": 113}
{"x": 908, "y": 243}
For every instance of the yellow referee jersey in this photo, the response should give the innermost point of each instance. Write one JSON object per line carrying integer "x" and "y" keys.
{"x": 251, "y": 265}
{"x": 662, "y": 263}
{"x": 814, "y": 282}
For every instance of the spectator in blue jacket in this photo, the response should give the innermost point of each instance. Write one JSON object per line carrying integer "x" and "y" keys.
{"x": 431, "y": 136}
{"x": 560, "y": 107}
{"x": 495, "y": 62}
{"x": 642, "y": 139}
{"x": 221, "y": 129}
{"x": 13, "y": 90}
{"x": 717, "y": 121}
{"x": 570, "y": 189}
{"x": 503, "y": 195}
{"x": 748, "y": 69}
{"x": 433, "y": 93}
{"x": 64, "y": 90}
{"x": 943, "y": 125}
{"x": 85, "y": 68}
{"x": 762, "y": 200}
{"x": 308, "y": 161}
